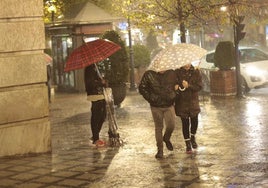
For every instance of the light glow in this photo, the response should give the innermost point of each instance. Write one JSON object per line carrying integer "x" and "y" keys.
{"x": 254, "y": 71}
{"x": 223, "y": 8}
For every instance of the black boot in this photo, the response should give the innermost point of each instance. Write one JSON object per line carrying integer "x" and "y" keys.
{"x": 188, "y": 146}
{"x": 193, "y": 142}
{"x": 159, "y": 154}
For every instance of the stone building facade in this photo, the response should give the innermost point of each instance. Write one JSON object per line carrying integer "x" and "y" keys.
{"x": 24, "y": 122}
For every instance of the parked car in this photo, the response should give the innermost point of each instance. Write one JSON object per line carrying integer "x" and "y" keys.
{"x": 253, "y": 68}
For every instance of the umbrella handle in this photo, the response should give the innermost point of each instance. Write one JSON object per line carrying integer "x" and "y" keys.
{"x": 98, "y": 71}
{"x": 182, "y": 89}
{"x": 99, "y": 74}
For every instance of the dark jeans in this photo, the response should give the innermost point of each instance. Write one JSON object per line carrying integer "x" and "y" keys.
{"x": 188, "y": 124}
{"x": 98, "y": 115}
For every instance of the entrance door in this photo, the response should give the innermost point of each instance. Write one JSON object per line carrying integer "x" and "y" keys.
{"x": 61, "y": 47}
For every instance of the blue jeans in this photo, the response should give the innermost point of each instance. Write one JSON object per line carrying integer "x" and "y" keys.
{"x": 161, "y": 116}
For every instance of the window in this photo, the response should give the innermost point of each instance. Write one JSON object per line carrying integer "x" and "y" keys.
{"x": 251, "y": 55}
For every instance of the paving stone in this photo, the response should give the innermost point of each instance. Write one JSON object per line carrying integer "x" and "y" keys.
{"x": 232, "y": 150}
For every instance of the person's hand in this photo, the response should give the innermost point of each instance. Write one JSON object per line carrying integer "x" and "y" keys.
{"x": 176, "y": 87}
{"x": 104, "y": 82}
{"x": 185, "y": 84}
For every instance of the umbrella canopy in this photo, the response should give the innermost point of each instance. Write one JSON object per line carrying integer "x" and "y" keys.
{"x": 175, "y": 56}
{"x": 89, "y": 53}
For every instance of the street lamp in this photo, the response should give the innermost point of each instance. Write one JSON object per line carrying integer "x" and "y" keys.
{"x": 52, "y": 9}
{"x": 238, "y": 35}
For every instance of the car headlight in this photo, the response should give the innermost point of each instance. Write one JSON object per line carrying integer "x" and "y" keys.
{"x": 254, "y": 73}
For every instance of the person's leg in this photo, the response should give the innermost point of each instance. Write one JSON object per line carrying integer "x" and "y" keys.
{"x": 194, "y": 125}
{"x": 49, "y": 92}
{"x": 185, "y": 128}
{"x": 95, "y": 110}
{"x": 158, "y": 116}
{"x": 169, "y": 117}
{"x": 102, "y": 114}
{"x": 186, "y": 133}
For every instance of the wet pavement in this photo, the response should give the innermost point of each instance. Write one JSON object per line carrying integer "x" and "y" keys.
{"x": 232, "y": 153}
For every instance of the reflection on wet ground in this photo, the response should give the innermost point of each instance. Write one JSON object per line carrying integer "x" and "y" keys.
{"x": 232, "y": 153}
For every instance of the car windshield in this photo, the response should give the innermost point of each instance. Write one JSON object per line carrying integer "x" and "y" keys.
{"x": 251, "y": 55}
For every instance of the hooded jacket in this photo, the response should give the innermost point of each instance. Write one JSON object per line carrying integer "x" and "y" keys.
{"x": 158, "y": 88}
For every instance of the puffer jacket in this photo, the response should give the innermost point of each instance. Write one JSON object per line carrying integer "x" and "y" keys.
{"x": 187, "y": 101}
{"x": 158, "y": 88}
{"x": 93, "y": 82}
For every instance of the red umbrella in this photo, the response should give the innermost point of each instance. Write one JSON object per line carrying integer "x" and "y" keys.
{"x": 89, "y": 53}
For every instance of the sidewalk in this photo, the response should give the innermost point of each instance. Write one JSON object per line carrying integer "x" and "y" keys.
{"x": 232, "y": 136}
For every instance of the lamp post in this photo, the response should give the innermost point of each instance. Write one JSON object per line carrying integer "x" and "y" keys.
{"x": 132, "y": 76}
{"x": 238, "y": 35}
{"x": 52, "y": 9}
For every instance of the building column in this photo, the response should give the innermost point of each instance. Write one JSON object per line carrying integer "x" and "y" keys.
{"x": 24, "y": 122}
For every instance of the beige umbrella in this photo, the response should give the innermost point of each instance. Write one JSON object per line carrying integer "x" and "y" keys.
{"x": 175, "y": 56}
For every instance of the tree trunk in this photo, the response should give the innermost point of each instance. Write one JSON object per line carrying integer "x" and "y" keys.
{"x": 183, "y": 32}
{"x": 181, "y": 22}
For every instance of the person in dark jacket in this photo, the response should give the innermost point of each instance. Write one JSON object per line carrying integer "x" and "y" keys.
{"x": 187, "y": 102}
{"x": 94, "y": 87}
{"x": 158, "y": 88}
{"x": 49, "y": 73}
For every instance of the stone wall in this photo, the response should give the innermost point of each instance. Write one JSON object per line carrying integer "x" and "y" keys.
{"x": 24, "y": 122}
